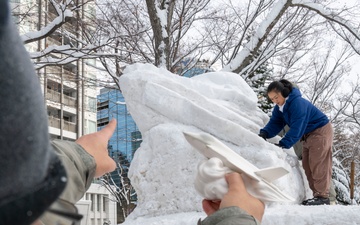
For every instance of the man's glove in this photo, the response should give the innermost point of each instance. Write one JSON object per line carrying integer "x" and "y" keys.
{"x": 263, "y": 135}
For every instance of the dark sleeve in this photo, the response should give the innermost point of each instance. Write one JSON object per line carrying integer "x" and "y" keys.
{"x": 24, "y": 138}
{"x": 298, "y": 122}
{"x": 275, "y": 125}
{"x": 229, "y": 216}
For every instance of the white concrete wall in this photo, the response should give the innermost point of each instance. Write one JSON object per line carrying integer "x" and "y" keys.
{"x": 97, "y": 206}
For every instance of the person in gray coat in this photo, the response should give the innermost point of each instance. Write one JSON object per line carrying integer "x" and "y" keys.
{"x": 83, "y": 160}
{"x": 31, "y": 176}
{"x": 35, "y": 172}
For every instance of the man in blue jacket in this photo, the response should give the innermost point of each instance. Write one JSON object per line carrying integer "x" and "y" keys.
{"x": 308, "y": 124}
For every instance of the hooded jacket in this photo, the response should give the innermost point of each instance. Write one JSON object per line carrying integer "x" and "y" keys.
{"x": 31, "y": 175}
{"x": 299, "y": 114}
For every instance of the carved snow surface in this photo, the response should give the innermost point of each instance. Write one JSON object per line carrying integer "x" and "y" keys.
{"x": 164, "y": 105}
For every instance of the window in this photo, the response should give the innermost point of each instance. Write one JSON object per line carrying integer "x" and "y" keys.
{"x": 69, "y": 118}
{"x": 69, "y": 92}
{"x": 91, "y": 62}
{"x": 102, "y": 105}
{"x": 92, "y": 202}
{"x": 91, "y": 104}
{"x": 31, "y": 2}
{"x": 91, "y": 127}
{"x": 91, "y": 10}
{"x": 104, "y": 203}
{"x": 102, "y": 122}
{"x": 98, "y": 205}
{"x": 68, "y": 41}
{"x": 136, "y": 140}
{"x": 91, "y": 76}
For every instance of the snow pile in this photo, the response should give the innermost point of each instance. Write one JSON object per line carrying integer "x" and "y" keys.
{"x": 164, "y": 167}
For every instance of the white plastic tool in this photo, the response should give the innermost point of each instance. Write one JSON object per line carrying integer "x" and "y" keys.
{"x": 257, "y": 181}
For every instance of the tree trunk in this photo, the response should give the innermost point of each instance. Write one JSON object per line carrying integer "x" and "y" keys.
{"x": 158, "y": 10}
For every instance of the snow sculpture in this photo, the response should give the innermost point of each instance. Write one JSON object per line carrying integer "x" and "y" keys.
{"x": 165, "y": 105}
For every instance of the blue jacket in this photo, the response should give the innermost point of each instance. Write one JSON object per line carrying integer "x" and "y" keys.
{"x": 299, "y": 114}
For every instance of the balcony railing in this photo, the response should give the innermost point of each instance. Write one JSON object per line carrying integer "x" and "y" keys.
{"x": 53, "y": 95}
{"x": 54, "y": 122}
{"x": 68, "y": 126}
{"x": 56, "y": 97}
{"x": 53, "y": 70}
{"x": 66, "y": 74}
{"x": 69, "y": 101}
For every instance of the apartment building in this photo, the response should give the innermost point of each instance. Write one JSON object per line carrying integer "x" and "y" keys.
{"x": 69, "y": 88}
{"x": 71, "y": 105}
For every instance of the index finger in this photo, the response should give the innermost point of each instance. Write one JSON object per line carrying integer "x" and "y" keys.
{"x": 109, "y": 129}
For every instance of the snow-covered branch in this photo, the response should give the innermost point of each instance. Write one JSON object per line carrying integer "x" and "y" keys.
{"x": 121, "y": 189}
{"x": 62, "y": 14}
{"x": 329, "y": 15}
{"x": 245, "y": 56}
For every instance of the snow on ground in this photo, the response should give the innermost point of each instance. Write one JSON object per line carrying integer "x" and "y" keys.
{"x": 164, "y": 167}
{"x": 276, "y": 215}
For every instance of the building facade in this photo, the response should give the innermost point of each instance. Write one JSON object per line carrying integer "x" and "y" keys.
{"x": 122, "y": 145}
{"x": 126, "y": 138}
{"x": 67, "y": 87}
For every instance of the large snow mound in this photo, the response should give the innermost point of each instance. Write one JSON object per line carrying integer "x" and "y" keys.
{"x": 164, "y": 167}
